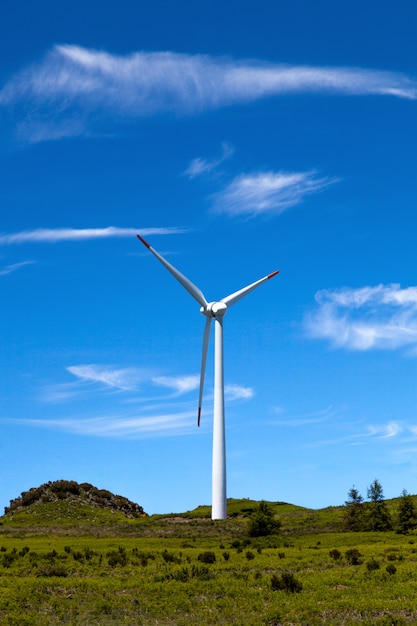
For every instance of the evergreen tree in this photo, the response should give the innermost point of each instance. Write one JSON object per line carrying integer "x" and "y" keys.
{"x": 353, "y": 516}
{"x": 263, "y": 521}
{"x": 378, "y": 517}
{"x": 407, "y": 517}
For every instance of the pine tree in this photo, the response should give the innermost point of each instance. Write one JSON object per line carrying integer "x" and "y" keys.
{"x": 407, "y": 518}
{"x": 378, "y": 517}
{"x": 353, "y": 517}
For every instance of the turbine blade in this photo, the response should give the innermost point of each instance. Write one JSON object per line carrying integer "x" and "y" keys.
{"x": 183, "y": 280}
{"x": 206, "y": 338}
{"x": 238, "y": 295}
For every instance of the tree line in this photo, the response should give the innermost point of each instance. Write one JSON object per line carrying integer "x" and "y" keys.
{"x": 374, "y": 515}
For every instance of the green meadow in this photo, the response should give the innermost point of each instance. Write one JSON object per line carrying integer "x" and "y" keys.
{"x": 68, "y": 562}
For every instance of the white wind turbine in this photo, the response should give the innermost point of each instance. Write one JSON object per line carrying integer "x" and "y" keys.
{"x": 210, "y": 310}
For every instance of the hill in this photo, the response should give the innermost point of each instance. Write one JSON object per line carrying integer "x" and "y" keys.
{"x": 65, "y": 502}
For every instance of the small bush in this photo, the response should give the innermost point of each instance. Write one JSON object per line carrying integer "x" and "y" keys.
{"x": 169, "y": 557}
{"x": 207, "y": 557}
{"x": 201, "y": 572}
{"x": 286, "y": 582}
{"x": 353, "y": 556}
{"x": 117, "y": 557}
{"x": 391, "y": 569}
{"x": 7, "y": 560}
{"x": 335, "y": 554}
{"x": 372, "y": 565}
{"x": 250, "y": 555}
{"x": 182, "y": 575}
{"x": 52, "y": 570}
{"x": 281, "y": 555}
{"x": 226, "y": 556}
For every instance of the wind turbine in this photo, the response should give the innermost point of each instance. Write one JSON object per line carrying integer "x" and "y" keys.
{"x": 213, "y": 310}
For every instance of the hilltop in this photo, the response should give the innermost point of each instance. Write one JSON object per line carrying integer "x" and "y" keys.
{"x": 84, "y": 508}
{"x": 65, "y": 502}
{"x": 65, "y": 506}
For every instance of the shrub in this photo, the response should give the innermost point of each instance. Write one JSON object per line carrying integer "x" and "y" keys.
{"x": 250, "y": 555}
{"x": 52, "y": 570}
{"x": 201, "y": 572}
{"x": 263, "y": 522}
{"x": 335, "y": 554}
{"x": 391, "y": 569}
{"x": 286, "y": 582}
{"x": 353, "y": 556}
{"x": 117, "y": 557}
{"x": 226, "y": 556}
{"x": 7, "y": 560}
{"x": 169, "y": 557}
{"x": 207, "y": 557}
{"x": 372, "y": 565}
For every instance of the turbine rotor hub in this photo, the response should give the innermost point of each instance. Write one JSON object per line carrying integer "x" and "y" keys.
{"x": 214, "y": 309}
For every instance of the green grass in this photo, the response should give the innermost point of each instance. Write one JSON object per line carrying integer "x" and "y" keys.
{"x": 86, "y": 565}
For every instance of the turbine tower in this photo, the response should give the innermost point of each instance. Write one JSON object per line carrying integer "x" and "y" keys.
{"x": 217, "y": 311}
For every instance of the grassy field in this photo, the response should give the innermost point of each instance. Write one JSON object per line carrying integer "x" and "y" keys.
{"x": 71, "y": 564}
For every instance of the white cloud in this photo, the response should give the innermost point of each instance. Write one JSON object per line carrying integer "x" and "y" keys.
{"x": 267, "y": 192}
{"x": 386, "y": 431}
{"x": 54, "y": 235}
{"x": 126, "y": 379}
{"x": 237, "y": 392}
{"x": 315, "y": 417}
{"x": 180, "y": 384}
{"x": 384, "y": 317}
{"x": 200, "y": 166}
{"x": 74, "y": 88}
{"x": 15, "y": 266}
{"x": 120, "y": 426}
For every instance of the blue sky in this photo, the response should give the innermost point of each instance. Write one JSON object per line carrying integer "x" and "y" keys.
{"x": 237, "y": 138}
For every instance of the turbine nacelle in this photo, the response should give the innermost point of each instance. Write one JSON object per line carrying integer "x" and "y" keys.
{"x": 214, "y": 309}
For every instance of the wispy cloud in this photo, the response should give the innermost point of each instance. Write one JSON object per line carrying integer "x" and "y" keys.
{"x": 200, "y": 166}
{"x": 55, "y": 235}
{"x": 237, "y": 392}
{"x": 94, "y": 379}
{"x": 384, "y": 317}
{"x": 180, "y": 384}
{"x": 126, "y": 379}
{"x": 386, "y": 431}
{"x": 152, "y": 415}
{"x": 315, "y": 417}
{"x": 120, "y": 426}
{"x": 73, "y": 88}
{"x": 267, "y": 192}
{"x": 15, "y": 266}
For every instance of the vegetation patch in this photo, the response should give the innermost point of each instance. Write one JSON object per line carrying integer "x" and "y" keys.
{"x": 157, "y": 570}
